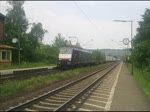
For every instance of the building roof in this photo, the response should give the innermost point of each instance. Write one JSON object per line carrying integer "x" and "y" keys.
{"x": 2, "y": 46}
{"x": 2, "y": 16}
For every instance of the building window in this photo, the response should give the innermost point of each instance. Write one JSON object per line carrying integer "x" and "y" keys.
{"x": 6, "y": 55}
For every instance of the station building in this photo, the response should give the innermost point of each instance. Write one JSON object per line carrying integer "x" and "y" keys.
{"x": 5, "y": 50}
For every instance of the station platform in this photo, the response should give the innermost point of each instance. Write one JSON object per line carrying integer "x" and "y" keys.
{"x": 10, "y": 71}
{"x": 128, "y": 96}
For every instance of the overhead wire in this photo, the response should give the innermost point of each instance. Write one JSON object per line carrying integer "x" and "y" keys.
{"x": 77, "y": 7}
{"x": 89, "y": 20}
{"x": 85, "y": 15}
{"x": 118, "y": 43}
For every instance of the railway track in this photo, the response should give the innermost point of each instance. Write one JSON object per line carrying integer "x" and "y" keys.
{"x": 99, "y": 97}
{"x": 26, "y": 74}
{"x": 64, "y": 97}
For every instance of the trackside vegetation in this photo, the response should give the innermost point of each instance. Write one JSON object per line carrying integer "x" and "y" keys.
{"x": 32, "y": 49}
{"x": 143, "y": 79}
{"x": 141, "y": 43}
{"x": 141, "y": 53}
{"x": 15, "y": 87}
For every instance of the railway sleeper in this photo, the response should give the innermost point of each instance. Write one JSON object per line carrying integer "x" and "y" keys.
{"x": 27, "y": 109}
{"x": 64, "y": 96}
{"x": 59, "y": 98}
{"x": 68, "y": 93}
{"x": 54, "y": 101}
{"x": 50, "y": 104}
{"x": 42, "y": 108}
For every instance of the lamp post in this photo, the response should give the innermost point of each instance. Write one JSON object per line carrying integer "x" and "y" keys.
{"x": 19, "y": 45}
{"x": 19, "y": 35}
{"x": 131, "y": 39}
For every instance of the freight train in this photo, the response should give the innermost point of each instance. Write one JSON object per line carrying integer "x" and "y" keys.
{"x": 70, "y": 57}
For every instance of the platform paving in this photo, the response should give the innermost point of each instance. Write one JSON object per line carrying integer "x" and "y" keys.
{"x": 10, "y": 71}
{"x": 128, "y": 96}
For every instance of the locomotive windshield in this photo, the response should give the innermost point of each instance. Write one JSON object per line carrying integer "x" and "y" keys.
{"x": 65, "y": 50}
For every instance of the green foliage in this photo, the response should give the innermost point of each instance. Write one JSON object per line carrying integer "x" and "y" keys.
{"x": 98, "y": 56}
{"x": 60, "y": 41}
{"x": 15, "y": 87}
{"x": 53, "y": 50}
{"x": 36, "y": 34}
{"x": 143, "y": 79}
{"x": 141, "y": 53}
{"x": 16, "y": 25}
{"x": 31, "y": 47}
{"x": 47, "y": 53}
{"x": 147, "y": 69}
{"x": 141, "y": 42}
{"x": 144, "y": 29}
{"x": 16, "y": 22}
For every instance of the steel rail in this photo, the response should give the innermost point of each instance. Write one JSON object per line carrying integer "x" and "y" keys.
{"x": 77, "y": 96}
{"x": 4, "y": 78}
{"x": 46, "y": 95}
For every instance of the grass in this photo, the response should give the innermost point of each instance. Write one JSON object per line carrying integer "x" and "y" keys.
{"x": 15, "y": 87}
{"x": 143, "y": 79}
{"x": 24, "y": 65}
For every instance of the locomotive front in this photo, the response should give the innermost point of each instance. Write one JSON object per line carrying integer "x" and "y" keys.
{"x": 65, "y": 56}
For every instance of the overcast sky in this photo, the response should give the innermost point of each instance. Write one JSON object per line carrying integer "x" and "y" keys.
{"x": 86, "y": 20}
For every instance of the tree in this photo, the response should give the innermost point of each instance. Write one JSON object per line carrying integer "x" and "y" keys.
{"x": 16, "y": 24}
{"x": 60, "y": 41}
{"x": 98, "y": 56}
{"x": 141, "y": 53}
{"x": 16, "y": 21}
{"x": 144, "y": 29}
{"x": 36, "y": 34}
{"x": 47, "y": 53}
{"x": 141, "y": 42}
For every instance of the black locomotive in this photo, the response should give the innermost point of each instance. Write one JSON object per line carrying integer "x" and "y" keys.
{"x": 70, "y": 57}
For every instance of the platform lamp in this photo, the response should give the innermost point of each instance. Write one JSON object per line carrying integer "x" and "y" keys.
{"x": 15, "y": 40}
{"x": 130, "y": 41}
